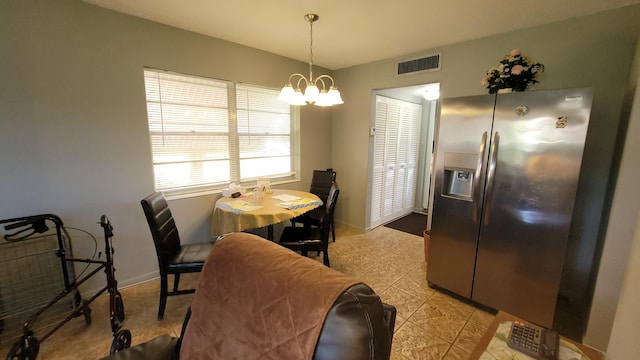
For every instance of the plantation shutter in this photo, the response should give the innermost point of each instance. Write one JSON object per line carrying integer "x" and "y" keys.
{"x": 413, "y": 115}
{"x": 377, "y": 181}
{"x": 395, "y": 159}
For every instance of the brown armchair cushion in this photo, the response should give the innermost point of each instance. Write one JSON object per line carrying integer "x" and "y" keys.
{"x": 256, "y": 299}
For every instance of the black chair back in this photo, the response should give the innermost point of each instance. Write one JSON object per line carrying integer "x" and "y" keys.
{"x": 327, "y": 219}
{"x": 163, "y": 228}
{"x": 321, "y": 183}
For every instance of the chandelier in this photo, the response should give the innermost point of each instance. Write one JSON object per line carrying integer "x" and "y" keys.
{"x": 317, "y": 91}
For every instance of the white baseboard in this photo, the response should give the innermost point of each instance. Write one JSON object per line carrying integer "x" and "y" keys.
{"x": 124, "y": 283}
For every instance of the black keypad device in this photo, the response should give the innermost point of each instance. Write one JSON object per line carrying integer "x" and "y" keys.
{"x": 533, "y": 340}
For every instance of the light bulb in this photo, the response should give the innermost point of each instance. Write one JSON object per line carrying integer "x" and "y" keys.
{"x": 311, "y": 93}
{"x": 334, "y": 96}
{"x": 286, "y": 94}
{"x": 323, "y": 99}
{"x": 298, "y": 98}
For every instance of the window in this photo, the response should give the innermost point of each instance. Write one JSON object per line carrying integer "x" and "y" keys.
{"x": 208, "y": 133}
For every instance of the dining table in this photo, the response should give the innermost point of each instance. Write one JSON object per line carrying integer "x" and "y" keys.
{"x": 249, "y": 211}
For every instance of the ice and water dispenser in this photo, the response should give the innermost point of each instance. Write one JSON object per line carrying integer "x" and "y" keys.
{"x": 459, "y": 175}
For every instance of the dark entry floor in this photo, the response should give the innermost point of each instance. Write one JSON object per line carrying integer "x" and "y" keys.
{"x": 414, "y": 223}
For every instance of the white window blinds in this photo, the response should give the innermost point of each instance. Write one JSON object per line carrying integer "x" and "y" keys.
{"x": 264, "y": 132}
{"x": 207, "y": 133}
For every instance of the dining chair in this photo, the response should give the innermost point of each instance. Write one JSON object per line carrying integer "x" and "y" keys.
{"x": 320, "y": 185}
{"x": 308, "y": 238}
{"x": 321, "y": 182}
{"x": 174, "y": 258}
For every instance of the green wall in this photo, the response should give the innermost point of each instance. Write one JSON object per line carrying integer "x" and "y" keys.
{"x": 74, "y": 138}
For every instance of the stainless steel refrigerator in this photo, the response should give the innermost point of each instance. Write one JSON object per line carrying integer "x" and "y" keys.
{"x": 507, "y": 170}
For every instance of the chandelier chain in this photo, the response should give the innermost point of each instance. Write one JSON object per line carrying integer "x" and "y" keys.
{"x": 311, "y": 51}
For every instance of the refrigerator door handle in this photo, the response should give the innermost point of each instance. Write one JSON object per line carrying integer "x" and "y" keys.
{"x": 491, "y": 177}
{"x": 476, "y": 182}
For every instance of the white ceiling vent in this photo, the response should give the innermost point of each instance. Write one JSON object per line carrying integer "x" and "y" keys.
{"x": 417, "y": 65}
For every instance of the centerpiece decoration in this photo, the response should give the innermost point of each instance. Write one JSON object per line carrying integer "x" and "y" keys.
{"x": 515, "y": 71}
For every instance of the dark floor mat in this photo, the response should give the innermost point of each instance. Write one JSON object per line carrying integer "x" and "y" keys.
{"x": 413, "y": 223}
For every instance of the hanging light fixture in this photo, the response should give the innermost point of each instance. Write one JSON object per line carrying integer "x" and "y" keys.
{"x": 316, "y": 91}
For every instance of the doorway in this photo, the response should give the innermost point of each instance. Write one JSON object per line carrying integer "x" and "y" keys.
{"x": 400, "y": 152}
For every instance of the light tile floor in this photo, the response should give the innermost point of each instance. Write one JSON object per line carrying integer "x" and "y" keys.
{"x": 429, "y": 324}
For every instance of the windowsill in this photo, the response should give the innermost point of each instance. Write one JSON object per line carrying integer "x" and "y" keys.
{"x": 185, "y": 194}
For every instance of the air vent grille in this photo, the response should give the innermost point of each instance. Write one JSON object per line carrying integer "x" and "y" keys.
{"x": 427, "y": 63}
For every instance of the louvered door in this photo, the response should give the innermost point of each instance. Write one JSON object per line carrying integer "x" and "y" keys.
{"x": 377, "y": 179}
{"x": 395, "y": 157}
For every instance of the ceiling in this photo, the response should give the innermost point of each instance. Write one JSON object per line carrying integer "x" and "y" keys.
{"x": 353, "y": 32}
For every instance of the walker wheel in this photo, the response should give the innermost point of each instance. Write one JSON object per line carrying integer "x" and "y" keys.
{"x": 24, "y": 349}
{"x": 121, "y": 341}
